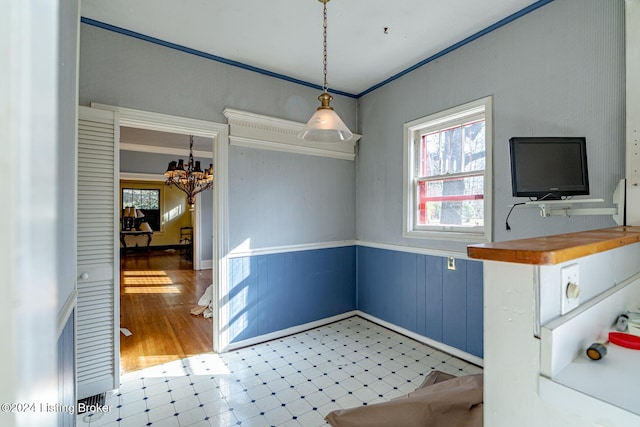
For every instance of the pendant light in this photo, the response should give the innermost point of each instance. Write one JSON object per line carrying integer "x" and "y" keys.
{"x": 325, "y": 125}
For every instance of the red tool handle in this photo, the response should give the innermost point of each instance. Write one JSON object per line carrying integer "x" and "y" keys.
{"x": 625, "y": 340}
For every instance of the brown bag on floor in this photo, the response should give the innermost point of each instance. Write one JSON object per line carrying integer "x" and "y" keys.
{"x": 454, "y": 402}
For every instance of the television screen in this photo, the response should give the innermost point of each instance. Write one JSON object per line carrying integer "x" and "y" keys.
{"x": 548, "y": 167}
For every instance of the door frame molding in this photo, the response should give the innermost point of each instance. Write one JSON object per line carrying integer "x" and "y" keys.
{"x": 219, "y": 134}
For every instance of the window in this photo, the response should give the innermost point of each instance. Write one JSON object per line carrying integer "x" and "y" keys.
{"x": 146, "y": 201}
{"x": 448, "y": 174}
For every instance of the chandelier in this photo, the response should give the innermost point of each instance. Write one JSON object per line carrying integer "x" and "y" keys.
{"x": 325, "y": 125}
{"x": 189, "y": 178}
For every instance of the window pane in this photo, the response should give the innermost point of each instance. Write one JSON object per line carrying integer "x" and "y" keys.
{"x": 147, "y": 201}
{"x": 452, "y": 202}
{"x": 140, "y": 198}
{"x": 453, "y": 150}
{"x": 474, "y": 146}
{"x": 431, "y": 155}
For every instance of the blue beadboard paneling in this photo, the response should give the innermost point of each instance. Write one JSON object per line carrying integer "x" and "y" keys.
{"x": 276, "y": 313}
{"x": 433, "y": 292}
{"x": 475, "y": 308}
{"x": 67, "y": 372}
{"x": 374, "y": 274}
{"x": 454, "y": 305}
{"x": 419, "y": 293}
{"x": 404, "y": 285}
{"x": 268, "y": 293}
{"x": 243, "y": 301}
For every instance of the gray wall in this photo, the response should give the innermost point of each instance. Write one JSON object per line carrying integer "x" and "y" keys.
{"x": 281, "y": 198}
{"x": 556, "y": 71}
{"x": 275, "y": 198}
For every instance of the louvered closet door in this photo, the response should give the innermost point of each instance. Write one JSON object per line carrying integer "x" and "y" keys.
{"x": 98, "y": 278}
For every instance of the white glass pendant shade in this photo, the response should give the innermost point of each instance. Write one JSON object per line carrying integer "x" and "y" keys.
{"x": 325, "y": 125}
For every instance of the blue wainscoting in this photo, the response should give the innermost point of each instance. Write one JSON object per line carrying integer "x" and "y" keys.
{"x": 419, "y": 293}
{"x": 67, "y": 373}
{"x": 268, "y": 293}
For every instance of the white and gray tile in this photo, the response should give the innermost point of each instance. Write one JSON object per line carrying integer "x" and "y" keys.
{"x": 293, "y": 381}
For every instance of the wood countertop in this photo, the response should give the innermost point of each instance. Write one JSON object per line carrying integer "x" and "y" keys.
{"x": 549, "y": 250}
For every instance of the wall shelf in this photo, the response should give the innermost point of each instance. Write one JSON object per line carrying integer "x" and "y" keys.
{"x": 566, "y": 207}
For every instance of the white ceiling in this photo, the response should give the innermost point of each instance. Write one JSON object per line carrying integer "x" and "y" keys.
{"x": 136, "y": 139}
{"x": 285, "y": 36}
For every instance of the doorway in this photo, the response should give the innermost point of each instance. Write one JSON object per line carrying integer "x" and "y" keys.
{"x": 165, "y": 284}
{"x": 217, "y": 134}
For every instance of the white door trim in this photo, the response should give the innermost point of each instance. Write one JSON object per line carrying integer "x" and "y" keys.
{"x": 219, "y": 133}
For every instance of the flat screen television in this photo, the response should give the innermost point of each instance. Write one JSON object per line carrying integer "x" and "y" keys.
{"x": 548, "y": 168}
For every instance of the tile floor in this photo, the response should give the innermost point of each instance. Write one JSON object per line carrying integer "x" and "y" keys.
{"x": 293, "y": 381}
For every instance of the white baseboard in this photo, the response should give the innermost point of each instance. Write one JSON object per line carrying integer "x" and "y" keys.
{"x": 206, "y": 264}
{"x": 425, "y": 340}
{"x": 289, "y": 331}
{"x": 311, "y": 325}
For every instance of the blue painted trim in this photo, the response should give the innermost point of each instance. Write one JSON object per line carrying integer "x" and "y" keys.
{"x": 461, "y": 43}
{"x": 216, "y": 58}
{"x": 205, "y": 55}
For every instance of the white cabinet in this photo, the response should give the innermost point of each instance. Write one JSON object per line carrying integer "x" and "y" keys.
{"x": 604, "y": 389}
{"x": 535, "y": 371}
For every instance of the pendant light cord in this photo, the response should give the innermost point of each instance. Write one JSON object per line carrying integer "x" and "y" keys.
{"x": 325, "y": 86}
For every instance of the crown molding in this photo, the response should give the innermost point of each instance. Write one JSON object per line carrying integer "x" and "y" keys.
{"x": 269, "y": 133}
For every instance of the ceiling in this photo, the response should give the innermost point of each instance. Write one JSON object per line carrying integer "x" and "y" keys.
{"x": 137, "y": 139}
{"x": 369, "y": 41}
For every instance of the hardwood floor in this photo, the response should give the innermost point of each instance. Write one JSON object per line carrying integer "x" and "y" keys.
{"x": 157, "y": 292}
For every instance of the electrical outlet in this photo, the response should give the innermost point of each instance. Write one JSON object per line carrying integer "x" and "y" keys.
{"x": 451, "y": 263}
{"x": 569, "y": 288}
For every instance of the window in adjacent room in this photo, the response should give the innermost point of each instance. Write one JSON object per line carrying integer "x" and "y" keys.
{"x": 448, "y": 174}
{"x": 146, "y": 201}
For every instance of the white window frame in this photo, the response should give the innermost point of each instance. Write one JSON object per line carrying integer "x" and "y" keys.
{"x": 482, "y": 106}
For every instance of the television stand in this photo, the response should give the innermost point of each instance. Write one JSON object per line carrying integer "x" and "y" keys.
{"x": 565, "y": 207}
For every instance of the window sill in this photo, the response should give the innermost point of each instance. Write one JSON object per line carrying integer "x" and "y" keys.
{"x": 457, "y": 236}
